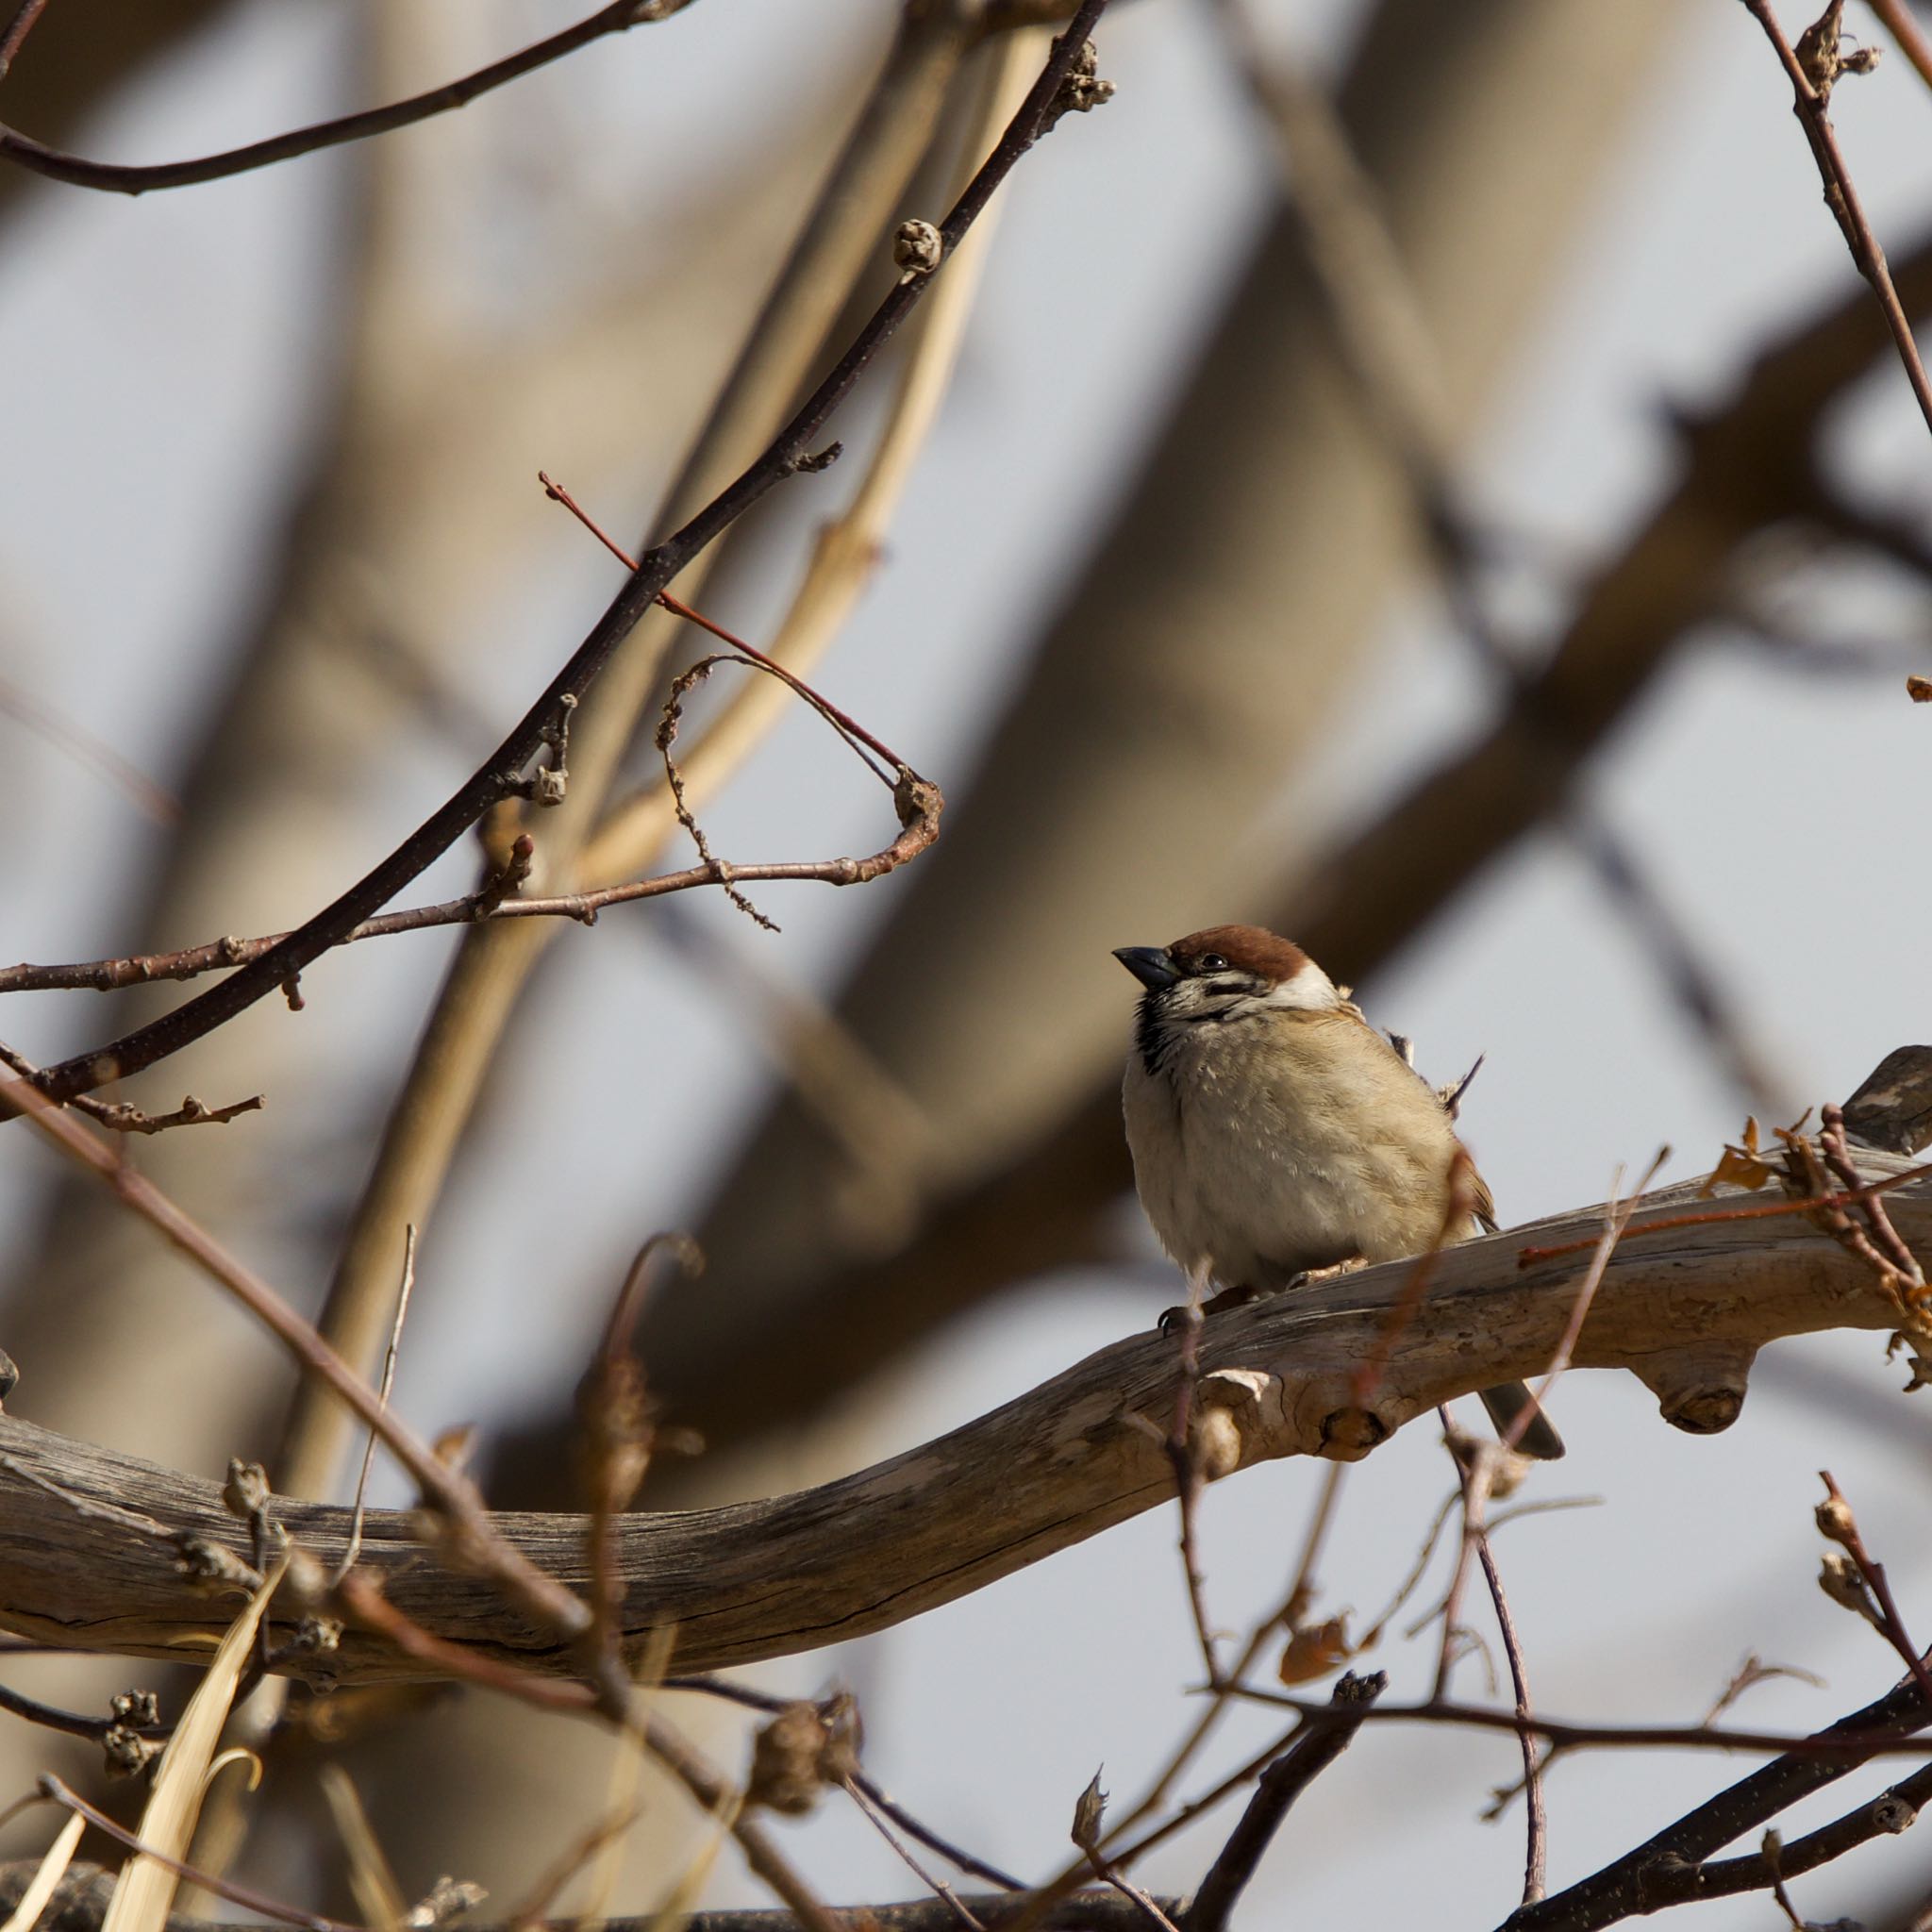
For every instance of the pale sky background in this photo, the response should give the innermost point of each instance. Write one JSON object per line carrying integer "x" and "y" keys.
{"x": 164, "y": 357}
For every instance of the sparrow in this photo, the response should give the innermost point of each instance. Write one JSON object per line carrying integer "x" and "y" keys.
{"x": 1275, "y": 1132}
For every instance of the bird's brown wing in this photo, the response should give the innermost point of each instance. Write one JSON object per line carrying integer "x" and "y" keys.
{"x": 1485, "y": 1206}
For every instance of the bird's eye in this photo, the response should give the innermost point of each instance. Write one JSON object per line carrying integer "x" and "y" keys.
{"x": 1211, "y": 962}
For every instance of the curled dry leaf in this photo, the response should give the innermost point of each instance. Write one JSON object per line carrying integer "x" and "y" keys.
{"x": 1741, "y": 1165}
{"x": 1314, "y": 1651}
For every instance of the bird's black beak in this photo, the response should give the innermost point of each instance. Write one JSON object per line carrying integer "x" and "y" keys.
{"x": 1150, "y": 965}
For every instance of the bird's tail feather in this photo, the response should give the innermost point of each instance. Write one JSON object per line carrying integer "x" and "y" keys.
{"x": 1539, "y": 1438}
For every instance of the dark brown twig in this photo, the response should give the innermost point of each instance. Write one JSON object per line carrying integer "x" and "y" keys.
{"x": 473, "y": 909}
{"x": 1190, "y": 1480}
{"x": 52, "y": 1788}
{"x": 1537, "y": 1827}
{"x": 117, "y": 177}
{"x": 1277, "y": 1789}
{"x": 1843, "y": 1746}
{"x": 1836, "y": 1521}
{"x": 1812, "y": 73}
{"x": 498, "y": 776}
{"x": 81, "y": 1906}
{"x": 1668, "y": 1867}
{"x": 119, "y": 1117}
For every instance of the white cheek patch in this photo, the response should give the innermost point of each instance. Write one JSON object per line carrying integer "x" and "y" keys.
{"x": 1309, "y": 990}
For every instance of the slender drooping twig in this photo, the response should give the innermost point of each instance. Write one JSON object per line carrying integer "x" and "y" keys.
{"x": 499, "y": 775}
{"x": 390, "y": 1358}
{"x": 1535, "y": 1851}
{"x": 118, "y": 177}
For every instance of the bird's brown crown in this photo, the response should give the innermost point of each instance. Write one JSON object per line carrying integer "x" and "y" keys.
{"x": 1246, "y": 948}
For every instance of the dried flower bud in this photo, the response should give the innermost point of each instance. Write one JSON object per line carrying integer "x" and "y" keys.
{"x": 806, "y": 1747}
{"x": 1839, "y": 1579}
{"x": 212, "y": 1567}
{"x": 1089, "y": 1814}
{"x": 1835, "y": 1520}
{"x": 247, "y": 1490}
{"x": 449, "y": 1899}
{"x": 126, "y": 1753}
{"x": 918, "y": 248}
{"x": 1892, "y": 1813}
{"x": 140, "y": 1709}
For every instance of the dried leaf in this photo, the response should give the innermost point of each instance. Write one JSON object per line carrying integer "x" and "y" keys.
{"x": 1740, "y": 1166}
{"x": 41, "y": 1887}
{"x": 1313, "y": 1652}
{"x": 145, "y": 1891}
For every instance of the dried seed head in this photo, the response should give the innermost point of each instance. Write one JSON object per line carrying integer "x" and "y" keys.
{"x": 918, "y": 248}
{"x": 1089, "y": 1812}
{"x": 806, "y": 1747}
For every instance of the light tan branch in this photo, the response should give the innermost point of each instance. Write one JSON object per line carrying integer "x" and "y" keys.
{"x": 90, "y": 1542}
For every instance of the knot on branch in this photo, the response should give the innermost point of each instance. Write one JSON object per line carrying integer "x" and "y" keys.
{"x": 1699, "y": 1390}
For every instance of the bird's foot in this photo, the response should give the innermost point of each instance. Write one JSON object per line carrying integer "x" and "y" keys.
{"x": 1172, "y": 1320}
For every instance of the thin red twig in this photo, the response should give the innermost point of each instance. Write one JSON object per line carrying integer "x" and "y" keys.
{"x": 1717, "y": 1217}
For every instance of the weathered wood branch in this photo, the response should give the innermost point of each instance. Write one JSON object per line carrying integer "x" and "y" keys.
{"x": 90, "y": 1549}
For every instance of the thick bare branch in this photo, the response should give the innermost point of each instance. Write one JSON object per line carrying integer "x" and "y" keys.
{"x": 94, "y": 1535}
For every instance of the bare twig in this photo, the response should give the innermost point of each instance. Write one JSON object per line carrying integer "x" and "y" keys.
{"x": 1668, "y": 1868}
{"x": 119, "y": 1117}
{"x": 1812, "y": 72}
{"x": 1836, "y": 1521}
{"x": 382, "y": 1395}
{"x": 474, "y": 908}
{"x": 1616, "y": 1219}
{"x": 1277, "y": 1788}
{"x": 36, "y": 713}
{"x": 51, "y": 1787}
{"x": 1537, "y": 1828}
{"x": 498, "y": 776}
{"x": 124, "y": 179}
{"x": 937, "y": 1887}
{"x": 1189, "y": 1478}
{"x": 17, "y": 29}
{"x": 81, "y": 1906}
{"x": 1911, "y": 37}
